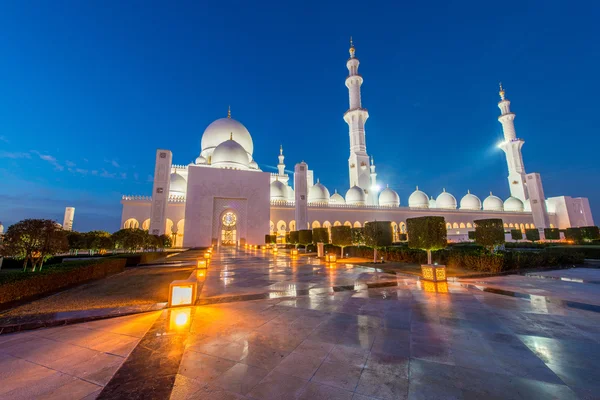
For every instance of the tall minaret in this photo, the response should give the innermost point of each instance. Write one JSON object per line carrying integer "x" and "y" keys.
{"x": 373, "y": 198}
{"x": 512, "y": 148}
{"x": 355, "y": 117}
{"x": 281, "y": 165}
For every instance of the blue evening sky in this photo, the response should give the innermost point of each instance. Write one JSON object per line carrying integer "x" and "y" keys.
{"x": 90, "y": 90}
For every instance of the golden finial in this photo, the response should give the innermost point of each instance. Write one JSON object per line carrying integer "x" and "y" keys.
{"x": 501, "y": 91}
{"x": 228, "y": 111}
{"x": 230, "y": 135}
{"x": 351, "y": 48}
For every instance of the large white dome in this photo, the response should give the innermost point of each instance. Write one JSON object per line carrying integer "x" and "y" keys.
{"x": 318, "y": 194}
{"x": 493, "y": 203}
{"x": 355, "y": 196}
{"x": 513, "y": 204}
{"x": 418, "y": 199}
{"x": 178, "y": 185}
{"x": 278, "y": 190}
{"x": 446, "y": 201}
{"x": 230, "y": 154}
{"x": 470, "y": 202}
{"x": 220, "y": 131}
{"x": 389, "y": 198}
{"x": 336, "y": 198}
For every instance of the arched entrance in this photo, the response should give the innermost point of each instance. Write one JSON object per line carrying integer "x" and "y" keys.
{"x": 229, "y": 229}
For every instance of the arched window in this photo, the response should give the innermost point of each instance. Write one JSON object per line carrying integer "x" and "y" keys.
{"x": 526, "y": 226}
{"x": 552, "y": 226}
{"x": 448, "y": 225}
{"x": 505, "y": 225}
{"x": 402, "y": 226}
{"x": 357, "y": 224}
{"x": 292, "y": 225}
{"x": 532, "y": 226}
{"x": 348, "y": 223}
{"x": 146, "y": 225}
{"x": 326, "y": 224}
{"x": 179, "y": 238}
{"x": 462, "y": 225}
{"x": 337, "y": 223}
{"x": 131, "y": 223}
{"x": 511, "y": 225}
{"x": 281, "y": 225}
{"x": 469, "y": 225}
{"x": 522, "y": 226}
{"x": 455, "y": 225}
{"x": 316, "y": 224}
{"x": 168, "y": 227}
{"x": 271, "y": 226}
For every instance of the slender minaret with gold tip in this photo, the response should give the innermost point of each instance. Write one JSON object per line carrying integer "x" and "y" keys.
{"x": 356, "y": 117}
{"x": 512, "y": 148}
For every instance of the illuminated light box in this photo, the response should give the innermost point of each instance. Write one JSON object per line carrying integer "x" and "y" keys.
{"x": 180, "y": 318}
{"x": 182, "y": 293}
{"x": 434, "y": 287}
{"x": 207, "y": 255}
{"x": 274, "y": 250}
{"x": 294, "y": 252}
{"x": 434, "y": 273}
{"x": 330, "y": 258}
{"x": 201, "y": 264}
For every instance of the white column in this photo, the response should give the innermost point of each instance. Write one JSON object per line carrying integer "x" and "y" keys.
{"x": 160, "y": 191}
{"x": 538, "y": 202}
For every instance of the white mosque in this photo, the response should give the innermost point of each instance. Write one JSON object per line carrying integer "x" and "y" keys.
{"x": 224, "y": 198}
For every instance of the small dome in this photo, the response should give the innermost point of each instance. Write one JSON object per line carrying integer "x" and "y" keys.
{"x": 470, "y": 202}
{"x": 178, "y": 185}
{"x": 418, "y": 199}
{"x": 446, "y": 201}
{"x": 230, "y": 154}
{"x": 493, "y": 203}
{"x": 513, "y": 204}
{"x": 432, "y": 203}
{"x": 355, "y": 196}
{"x": 200, "y": 160}
{"x": 278, "y": 191}
{"x": 336, "y": 198}
{"x": 389, "y": 198}
{"x": 220, "y": 131}
{"x": 318, "y": 193}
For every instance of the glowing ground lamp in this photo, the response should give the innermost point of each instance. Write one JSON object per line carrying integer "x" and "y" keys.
{"x": 274, "y": 250}
{"x": 433, "y": 272}
{"x": 294, "y": 252}
{"x": 207, "y": 256}
{"x": 434, "y": 287}
{"x": 330, "y": 258}
{"x": 180, "y": 318}
{"x": 201, "y": 264}
{"x": 182, "y": 293}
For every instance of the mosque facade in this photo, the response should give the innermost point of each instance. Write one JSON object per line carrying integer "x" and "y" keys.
{"x": 224, "y": 198}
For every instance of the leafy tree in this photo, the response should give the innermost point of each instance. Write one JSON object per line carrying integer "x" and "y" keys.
{"x": 34, "y": 240}
{"x": 131, "y": 239}
{"x": 489, "y": 232}
{"x": 427, "y": 233}
{"x": 516, "y": 234}
{"x": 532, "y": 235}
{"x": 358, "y": 237}
{"x": 378, "y": 234}
{"x": 294, "y": 237}
{"x": 305, "y": 237}
{"x": 164, "y": 241}
{"x": 590, "y": 233}
{"x": 341, "y": 236}
{"x": 96, "y": 240}
{"x": 552, "y": 233}
{"x": 320, "y": 235}
{"x": 574, "y": 234}
{"x": 76, "y": 241}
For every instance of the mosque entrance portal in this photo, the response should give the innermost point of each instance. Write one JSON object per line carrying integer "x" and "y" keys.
{"x": 229, "y": 229}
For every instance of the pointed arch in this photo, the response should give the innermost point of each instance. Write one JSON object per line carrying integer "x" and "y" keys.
{"x": 131, "y": 223}
{"x": 292, "y": 225}
{"x": 462, "y": 225}
{"x": 469, "y": 225}
{"x": 146, "y": 224}
{"x": 357, "y": 224}
{"x": 455, "y": 225}
{"x": 348, "y": 223}
{"x": 316, "y": 224}
{"x": 337, "y": 223}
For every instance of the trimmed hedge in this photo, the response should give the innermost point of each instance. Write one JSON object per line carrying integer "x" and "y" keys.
{"x": 20, "y": 286}
{"x": 305, "y": 236}
{"x": 294, "y": 237}
{"x": 552, "y": 233}
{"x": 516, "y": 234}
{"x": 533, "y": 235}
{"x": 489, "y": 232}
{"x": 320, "y": 235}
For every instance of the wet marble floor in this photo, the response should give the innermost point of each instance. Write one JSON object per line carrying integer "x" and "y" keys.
{"x": 399, "y": 342}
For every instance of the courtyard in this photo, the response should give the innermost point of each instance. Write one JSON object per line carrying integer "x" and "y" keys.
{"x": 276, "y": 327}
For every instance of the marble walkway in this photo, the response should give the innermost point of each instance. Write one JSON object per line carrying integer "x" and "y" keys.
{"x": 393, "y": 342}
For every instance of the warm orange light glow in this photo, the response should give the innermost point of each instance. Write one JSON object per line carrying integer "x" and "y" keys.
{"x": 330, "y": 258}
{"x": 434, "y": 273}
{"x": 294, "y": 252}
{"x": 206, "y": 255}
{"x": 274, "y": 250}
{"x": 200, "y": 273}
{"x": 179, "y": 318}
{"x": 181, "y": 294}
{"x": 201, "y": 264}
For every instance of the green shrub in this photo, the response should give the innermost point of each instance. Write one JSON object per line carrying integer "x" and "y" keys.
{"x": 341, "y": 236}
{"x": 477, "y": 260}
{"x": 320, "y": 235}
{"x": 552, "y": 233}
{"x": 305, "y": 236}
{"x": 489, "y": 233}
{"x": 427, "y": 233}
{"x": 516, "y": 234}
{"x": 533, "y": 235}
{"x": 471, "y": 235}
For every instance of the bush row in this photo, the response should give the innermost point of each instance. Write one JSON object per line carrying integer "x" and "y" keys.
{"x": 20, "y": 285}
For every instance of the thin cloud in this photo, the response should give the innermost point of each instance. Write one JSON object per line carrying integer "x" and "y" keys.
{"x": 69, "y": 164}
{"x": 106, "y": 174}
{"x": 114, "y": 163}
{"x": 52, "y": 160}
{"x": 14, "y": 155}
